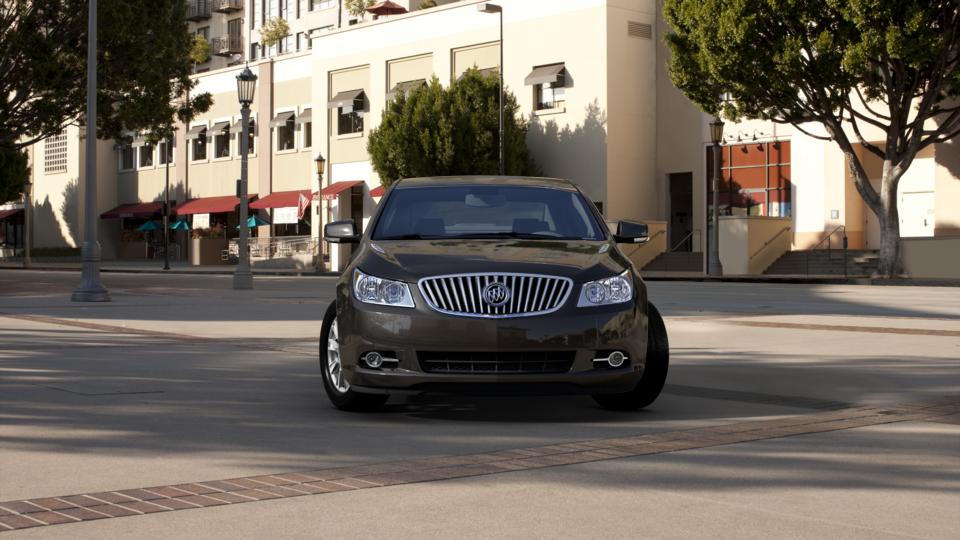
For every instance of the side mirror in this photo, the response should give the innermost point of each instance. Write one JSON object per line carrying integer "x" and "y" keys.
{"x": 341, "y": 232}
{"x": 631, "y": 232}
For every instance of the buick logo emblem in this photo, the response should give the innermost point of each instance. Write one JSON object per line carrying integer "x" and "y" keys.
{"x": 496, "y": 294}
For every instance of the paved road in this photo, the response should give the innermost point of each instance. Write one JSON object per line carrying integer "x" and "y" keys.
{"x": 181, "y": 379}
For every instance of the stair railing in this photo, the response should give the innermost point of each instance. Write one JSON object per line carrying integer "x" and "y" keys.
{"x": 768, "y": 242}
{"x": 829, "y": 240}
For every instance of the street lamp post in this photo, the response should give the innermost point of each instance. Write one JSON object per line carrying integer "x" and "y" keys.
{"x": 27, "y": 207}
{"x": 321, "y": 163}
{"x": 90, "y": 288}
{"x": 714, "y": 266}
{"x": 494, "y": 8}
{"x": 246, "y": 86}
{"x": 166, "y": 205}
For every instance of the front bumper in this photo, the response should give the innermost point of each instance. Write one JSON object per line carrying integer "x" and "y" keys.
{"x": 588, "y": 332}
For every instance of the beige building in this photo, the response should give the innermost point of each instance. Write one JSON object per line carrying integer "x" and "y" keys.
{"x": 590, "y": 79}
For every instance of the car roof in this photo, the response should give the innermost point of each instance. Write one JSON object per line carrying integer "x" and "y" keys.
{"x": 526, "y": 181}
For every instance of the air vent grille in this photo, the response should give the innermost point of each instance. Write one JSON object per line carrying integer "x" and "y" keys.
{"x": 639, "y": 30}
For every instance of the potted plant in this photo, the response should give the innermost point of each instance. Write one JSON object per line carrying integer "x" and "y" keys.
{"x": 207, "y": 245}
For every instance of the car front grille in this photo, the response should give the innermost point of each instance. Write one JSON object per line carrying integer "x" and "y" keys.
{"x": 467, "y": 294}
{"x": 500, "y": 362}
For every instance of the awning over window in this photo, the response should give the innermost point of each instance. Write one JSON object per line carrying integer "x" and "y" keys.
{"x": 137, "y": 210}
{"x": 6, "y": 214}
{"x": 281, "y": 199}
{"x": 281, "y": 119}
{"x": 405, "y": 87}
{"x": 305, "y": 117}
{"x": 545, "y": 74}
{"x": 220, "y": 127}
{"x": 350, "y": 98}
{"x": 333, "y": 190}
{"x": 378, "y": 191}
{"x": 210, "y": 205}
{"x": 195, "y": 131}
{"x": 238, "y": 125}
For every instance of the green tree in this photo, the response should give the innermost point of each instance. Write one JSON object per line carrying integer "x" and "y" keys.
{"x": 888, "y": 66}
{"x": 437, "y": 131}
{"x": 358, "y": 8}
{"x": 143, "y": 70}
{"x": 201, "y": 50}
{"x": 273, "y": 31}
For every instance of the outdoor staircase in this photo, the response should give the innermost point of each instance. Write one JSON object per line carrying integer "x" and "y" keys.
{"x": 824, "y": 262}
{"x": 676, "y": 261}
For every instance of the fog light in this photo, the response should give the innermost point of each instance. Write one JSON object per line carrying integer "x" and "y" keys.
{"x": 373, "y": 359}
{"x": 616, "y": 359}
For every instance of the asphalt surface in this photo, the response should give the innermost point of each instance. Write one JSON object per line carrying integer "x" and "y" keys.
{"x": 182, "y": 379}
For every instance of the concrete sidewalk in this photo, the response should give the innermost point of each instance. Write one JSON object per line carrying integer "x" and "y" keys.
{"x": 183, "y": 268}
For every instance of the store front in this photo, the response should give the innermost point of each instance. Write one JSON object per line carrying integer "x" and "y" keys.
{"x": 141, "y": 230}
{"x": 213, "y": 221}
{"x": 11, "y": 232}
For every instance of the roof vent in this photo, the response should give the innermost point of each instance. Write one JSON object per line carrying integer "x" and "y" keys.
{"x": 639, "y": 30}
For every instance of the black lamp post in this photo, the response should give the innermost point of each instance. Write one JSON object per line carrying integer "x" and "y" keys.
{"x": 714, "y": 266}
{"x": 321, "y": 163}
{"x": 246, "y": 87}
{"x": 494, "y": 8}
{"x": 27, "y": 208}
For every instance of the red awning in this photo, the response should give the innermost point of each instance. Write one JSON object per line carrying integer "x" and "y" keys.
{"x": 330, "y": 192}
{"x": 210, "y": 205}
{"x": 282, "y": 199}
{"x": 386, "y": 7}
{"x": 4, "y": 214}
{"x": 378, "y": 191}
{"x": 139, "y": 210}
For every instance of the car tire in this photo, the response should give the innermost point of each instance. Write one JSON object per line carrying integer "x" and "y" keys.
{"x": 654, "y": 373}
{"x": 338, "y": 389}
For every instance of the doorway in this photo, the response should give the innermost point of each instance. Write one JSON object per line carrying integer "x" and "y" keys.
{"x": 681, "y": 211}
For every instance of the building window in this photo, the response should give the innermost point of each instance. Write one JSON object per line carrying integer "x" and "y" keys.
{"x": 299, "y": 41}
{"x": 126, "y": 157}
{"x": 251, "y": 133}
{"x": 55, "y": 154}
{"x": 349, "y": 120}
{"x": 755, "y": 179}
{"x": 285, "y": 134}
{"x": 549, "y": 96}
{"x": 204, "y": 31}
{"x": 199, "y": 146}
{"x": 146, "y": 156}
{"x": 165, "y": 154}
{"x": 221, "y": 143}
{"x": 321, "y": 4}
{"x": 307, "y": 134}
{"x": 254, "y": 50}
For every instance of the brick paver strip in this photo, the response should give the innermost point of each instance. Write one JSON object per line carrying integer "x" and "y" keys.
{"x": 131, "y": 502}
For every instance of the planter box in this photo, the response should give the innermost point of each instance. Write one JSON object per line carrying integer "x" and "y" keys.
{"x": 204, "y": 251}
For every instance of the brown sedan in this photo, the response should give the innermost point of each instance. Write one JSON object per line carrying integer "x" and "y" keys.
{"x": 490, "y": 284}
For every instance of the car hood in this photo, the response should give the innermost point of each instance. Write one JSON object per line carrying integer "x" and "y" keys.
{"x": 415, "y": 259}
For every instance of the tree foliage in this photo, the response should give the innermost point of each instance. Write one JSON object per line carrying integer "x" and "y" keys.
{"x": 201, "y": 50}
{"x": 437, "y": 131}
{"x": 14, "y": 172}
{"x": 273, "y": 31}
{"x": 358, "y": 8}
{"x": 143, "y": 73}
{"x": 881, "y": 74}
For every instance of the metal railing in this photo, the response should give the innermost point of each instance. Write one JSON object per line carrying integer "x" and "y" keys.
{"x": 227, "y": 45}
{"x": 829, "y": 241}
{"x": 275, "y": 247}
{"x": 688, "y": 239}
{"x": 769, "y": 242}
{"x": 198, "y": 10}
{"x": 226, "y": 6}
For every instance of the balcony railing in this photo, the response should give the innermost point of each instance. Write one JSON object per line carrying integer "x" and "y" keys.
{"x": 227, "y": 45}
{"x": 198, "y": 10}
{"x": 227, "y": 6}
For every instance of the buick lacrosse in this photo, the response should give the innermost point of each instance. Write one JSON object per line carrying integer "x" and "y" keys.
{"x": 490, "y": 284}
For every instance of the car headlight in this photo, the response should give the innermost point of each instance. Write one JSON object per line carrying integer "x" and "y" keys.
{"x": 384, "y": 292}
{"x": 614, "y": 290}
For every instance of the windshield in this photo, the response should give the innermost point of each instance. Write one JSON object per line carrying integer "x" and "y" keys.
{"x": 486, "y": 212}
